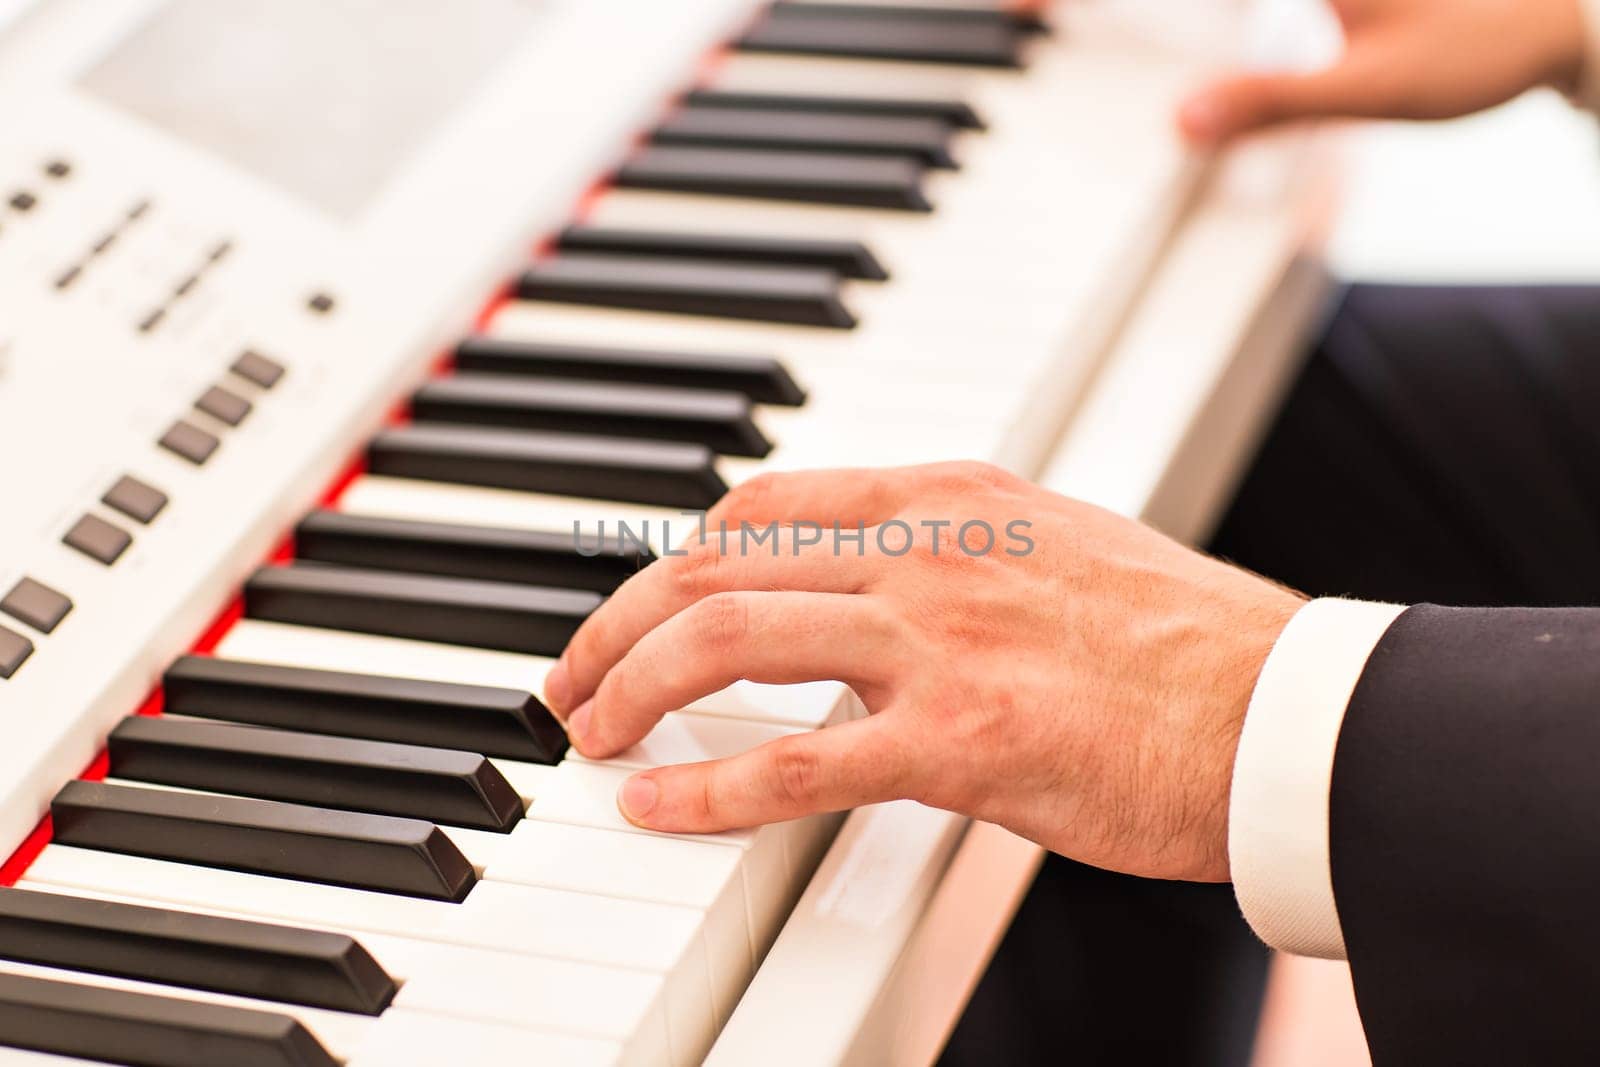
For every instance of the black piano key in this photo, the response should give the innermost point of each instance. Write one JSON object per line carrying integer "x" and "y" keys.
{"x": 441, "y": 785}
{"x": 957, "y": 113}
{"x": 375, "y": 852}
{"x": 798, "y": 295}
{"x": 1027, "y": 21}
{"x": 848, "y": 259}
{"x": 489, "y": 553}
{"x": 116, "y": 1026}
{"x": 246, "y": 959}
{"x": 761, "y": 378}
{"x": 667, "y": 473}
{"x": 532, "y": 619}
{"x": 890, "y": 34}
{"x": 812, "y": 131}
{"x": 720, "y": 420}
{"x": 889, "y": 182}
{"x": 496, "y": 722}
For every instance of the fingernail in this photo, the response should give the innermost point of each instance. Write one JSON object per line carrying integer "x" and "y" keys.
{"x": 578, "y": 722}
{"x": 637, "y": 796}
{"x": 558, "y": 687}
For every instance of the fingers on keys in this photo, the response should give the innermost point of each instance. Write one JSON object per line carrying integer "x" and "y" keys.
{"x": 772, "y": 637}
{"x": 834, "y": 769}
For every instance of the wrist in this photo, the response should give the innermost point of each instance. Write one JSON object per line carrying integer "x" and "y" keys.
{"x": 1242, "y": 637}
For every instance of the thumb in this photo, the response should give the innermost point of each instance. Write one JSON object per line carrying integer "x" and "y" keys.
{"x": 1243, "y": 104}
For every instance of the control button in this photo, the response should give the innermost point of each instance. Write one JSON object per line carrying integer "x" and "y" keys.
{"x": 189, "y": 441}
{"x": 24, "y": 201}
{"x": 133, "y": 498}
{"x": 221, "y": 404}
{"x": 14, "y": 652}
{"x": 36, "y": 604}
{"x": 321, "y": 303}
{"x": 254, "y": 367}
{"x": 58, "y": 168}
{"x": 98, "y": 539}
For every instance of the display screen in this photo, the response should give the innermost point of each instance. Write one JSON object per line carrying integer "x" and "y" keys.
{"x": 327, "y": 99}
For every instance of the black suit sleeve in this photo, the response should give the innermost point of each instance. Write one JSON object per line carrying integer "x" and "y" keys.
{"x": 1465, "y": 838}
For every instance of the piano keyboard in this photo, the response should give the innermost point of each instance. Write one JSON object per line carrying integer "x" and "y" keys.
{"x": 348, "y": 832}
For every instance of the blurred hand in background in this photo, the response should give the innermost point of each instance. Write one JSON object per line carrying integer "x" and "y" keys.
{"x": 1406, "y": 59}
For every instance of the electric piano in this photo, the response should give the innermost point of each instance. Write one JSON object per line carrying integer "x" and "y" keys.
{"x": 326, "y": 329}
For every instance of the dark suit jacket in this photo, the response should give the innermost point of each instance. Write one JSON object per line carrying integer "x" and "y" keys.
{"x": 1465, "y": 838}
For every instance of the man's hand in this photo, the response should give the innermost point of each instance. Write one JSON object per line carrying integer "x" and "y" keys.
{"x": 1082, "y": 680}
{"x": 1407, "y": 59}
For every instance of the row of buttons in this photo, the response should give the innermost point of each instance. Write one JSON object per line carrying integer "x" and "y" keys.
{"x": 37, "y": 605}
{"x": 196, "y": 445}
{"x": 105, "y": 542}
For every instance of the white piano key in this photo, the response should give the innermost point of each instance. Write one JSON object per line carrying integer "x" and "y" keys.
{"x": 656, "y": 938}
{"x": 682, "y": 737}
{"x": 341, "y": 1033}
{"x": 581, "y": 1000}
{"x": 406, "y": 1038}
{"x": 661, "y": 938}
{"x": 528, "y": 779}
{"x": 692, "y": 738}
{"x": 182, "y": 885}
{"x": 1006, "y": 246}
{"x": 338, "y": 650}
{"x": 585, "y": 794}
{"x": 403, "y": 498}
{"x": 17, "y": 1057}
{"x": 584, "y": 1000}
{"x": 962, "y": 230}
{"x": 766, "y": 73}
{"x": 691, "y": 874}
{"x": 806, "y": 704}
{"x": 874, "y": 351}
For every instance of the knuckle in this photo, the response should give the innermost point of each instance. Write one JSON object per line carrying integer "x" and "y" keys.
{"x": 756, "y": 496}
{"x": 722, "y": 621}
{"x": 968, "y": 475}
{"x": 617, "y": 689}
{"x": 705, "y": 801}
{"x": 700, "y": 573}
{"x": 796, "y": 776}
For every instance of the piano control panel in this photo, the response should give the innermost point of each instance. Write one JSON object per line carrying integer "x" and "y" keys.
{"x": 200, "y": 319}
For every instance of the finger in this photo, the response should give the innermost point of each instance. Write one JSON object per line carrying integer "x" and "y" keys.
{"x": 1244, "y": 104}
{"x": 779, "y": 638}
{"x": 792, "y": 559}
{"x": 832, "y": 769}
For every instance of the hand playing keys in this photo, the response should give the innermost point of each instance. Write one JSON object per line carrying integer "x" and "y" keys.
{"x": 1082, "y": 681}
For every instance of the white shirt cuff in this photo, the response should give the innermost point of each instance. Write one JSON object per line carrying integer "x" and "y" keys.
{"x": 1278, "y": 814}
{"x": 1588, "y": 92}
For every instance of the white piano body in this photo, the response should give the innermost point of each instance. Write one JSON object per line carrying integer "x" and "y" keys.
{"x": 398, "y": 170}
